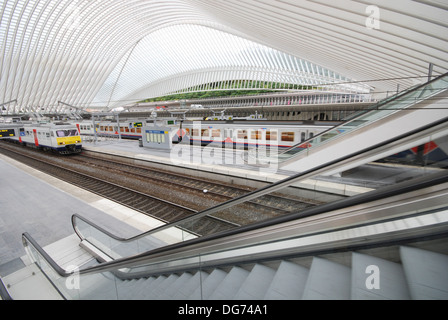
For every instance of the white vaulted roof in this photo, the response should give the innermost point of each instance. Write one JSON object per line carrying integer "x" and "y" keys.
{"x": 113, "y": 52}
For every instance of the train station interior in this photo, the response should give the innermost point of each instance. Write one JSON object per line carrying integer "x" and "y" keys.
{"x": 238, "y": 150}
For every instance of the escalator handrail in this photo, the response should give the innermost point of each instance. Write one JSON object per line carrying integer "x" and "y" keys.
{"x": 169, "y": 225}
{"x": 374, "y": 107}
{"x": 28, "y": 239}
{"x": 254, "y": 194}
{"x": 268, "y": 189}
{"x": 375, "y": 195}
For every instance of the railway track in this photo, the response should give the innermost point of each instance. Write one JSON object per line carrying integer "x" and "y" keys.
{"x": 155, "y": 207}
{"x": 178, "y": 189}
{"x": 220, "y": 191}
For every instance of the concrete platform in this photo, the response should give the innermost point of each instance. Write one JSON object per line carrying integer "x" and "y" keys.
{"x": 41, "y": 205}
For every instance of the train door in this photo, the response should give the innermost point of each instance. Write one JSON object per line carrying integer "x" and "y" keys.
{"x": 36, "y": 139}
{"x": 228, "y": 137}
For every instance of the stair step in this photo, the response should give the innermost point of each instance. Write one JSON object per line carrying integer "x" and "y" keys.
{"x": 160, "y": 290}
{"x": 425, "y": 280}
{"x": 256, "y": 284}
{"x": 128, "y": 289}
{"x": 209, "y": 285}
{"x": 230, "y": 284}
{"x": 391, "y": 281}
{"x": 288, "y": 283}
{"x": 156, "y": 291}
{"x": 171, "y": 290}
{"x": 327, "y": 280}
{"x": 147, "y": 289}
{"x": 190, "y": 287}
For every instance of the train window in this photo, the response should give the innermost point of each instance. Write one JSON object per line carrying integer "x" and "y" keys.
{"x": 216, "y": 133}
{"x": 195, "y": 132}
{"x": 302, "y": 136}
{"x": 121, "y": 129}
{"x": 287, "y": 136}
{"x": 311, "y": 135}
{"x": 271, "y": 135}
{"x": 66, "y": 133}
{"x": 47, "y": 134}
{"x": 139, "y": 130}
{"x": 148, "y": 137}
{"x": 242, "y": 134}
{"x": 111, "y": 128}
{"x": 102, "y": 128}
{"x": 205, "y": 132}
{"x": 256, "y": 135}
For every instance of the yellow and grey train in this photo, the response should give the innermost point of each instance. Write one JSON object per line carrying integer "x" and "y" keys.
{"x": 58, "y": 137}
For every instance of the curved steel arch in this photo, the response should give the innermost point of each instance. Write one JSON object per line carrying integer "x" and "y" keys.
{"x": 72, "y": 51}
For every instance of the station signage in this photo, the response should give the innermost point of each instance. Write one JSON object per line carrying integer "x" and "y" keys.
{"x": 7, "y": 133}
{"x": 136, "y": 125}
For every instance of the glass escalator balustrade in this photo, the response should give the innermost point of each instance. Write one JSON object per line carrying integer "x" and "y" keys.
{"x": 378, "y": 111}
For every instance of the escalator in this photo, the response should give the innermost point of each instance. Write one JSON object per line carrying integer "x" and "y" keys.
{"x": 336, "y": 250}
{"x": 394, "y": 116}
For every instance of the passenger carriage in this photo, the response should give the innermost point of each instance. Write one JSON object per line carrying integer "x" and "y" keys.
{"x": 254, "y": 133}
{"x": 62, "y": 138}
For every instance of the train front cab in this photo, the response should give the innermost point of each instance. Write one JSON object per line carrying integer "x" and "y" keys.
{"x": 68, "y": 141}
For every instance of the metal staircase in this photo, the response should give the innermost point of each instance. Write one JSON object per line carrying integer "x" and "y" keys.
{"x": 412, "y": 273}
